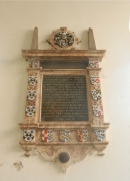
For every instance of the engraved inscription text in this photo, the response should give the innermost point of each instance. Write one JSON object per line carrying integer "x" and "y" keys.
{"x": 64, "y": 98}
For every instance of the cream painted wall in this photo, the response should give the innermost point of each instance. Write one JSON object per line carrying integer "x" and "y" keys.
{"x": 110, "y": 22}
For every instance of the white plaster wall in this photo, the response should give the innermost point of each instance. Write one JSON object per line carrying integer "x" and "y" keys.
{"x": 110, "y": 22}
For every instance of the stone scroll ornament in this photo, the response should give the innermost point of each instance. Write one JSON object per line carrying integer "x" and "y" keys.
{"x": 65, "y": 135}
{"x": 82, "y": 135}
{"x": 28, "y": 135}
{"x": 99, "y": 134}
{"x": 47, "y": 135}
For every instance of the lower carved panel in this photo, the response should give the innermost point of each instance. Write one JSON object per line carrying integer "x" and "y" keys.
{"x": 64, "y": 156}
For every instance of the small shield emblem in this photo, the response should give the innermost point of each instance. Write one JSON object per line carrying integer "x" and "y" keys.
{"x": 97, "y": 111}
{"x": 31, "y": 95}
{"x": 47, "y": 135}
{"x": 32, "y": 80}
{"x": 82, "y": 135}
{"x": 33, "y": 63}
{"x": 96, "y": 95}
{"x": 99, "y": 134}
{"x": 30, "y": 110}
{"x": 65, "y": 135}
{"x": 28, "y": 135}
{"x": 93, "y": 63}
{"x": 94, "y": 80}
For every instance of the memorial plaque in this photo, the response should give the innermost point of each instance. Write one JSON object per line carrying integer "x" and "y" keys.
{"x": 64, "y": 98}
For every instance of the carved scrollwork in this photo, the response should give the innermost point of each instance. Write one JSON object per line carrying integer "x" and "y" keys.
{"x": 31, "y": 87}
{"x": 52, "y": 154}
{"x": 93, "y": 73}
{"x": 32, "y": 73}
{"x": 30, "y": 103}
{"x": 29, "y": 119}
{"x": 97, "y": 120}
{"x": 95, "y": 87}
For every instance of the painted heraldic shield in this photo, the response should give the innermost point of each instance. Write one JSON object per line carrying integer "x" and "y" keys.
{"x": 47, "y": 135}
{"x": 65, "y": 135}
{"x": 100, "y": 135}
{"x": 96, "y": 95}
{"x": 31, "y": 95}
{"x": 82, "y": 135}
{"x": 94, "y": 80}
{"x": 28, "y": 135}
{"x": 97, "y": 110}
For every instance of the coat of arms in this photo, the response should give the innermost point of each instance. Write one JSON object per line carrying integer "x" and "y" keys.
{"x": 28, "y": 135}
{"x": 47, "y": 135}
{"x": 30, "y": 110}
{"x": 94, "y": 80}
{"x": 93, "y": 63}
{"x": 99, "y": 134}
{"x": 31, "y": 95}
{"x": 97, "y": 111}
{"x": 65, "y": 135}
{"x": 32, "y": 80}
{"x": 82, "y": 135}
{"x": 33, "y": 63}
{"x": 96, "y": 95}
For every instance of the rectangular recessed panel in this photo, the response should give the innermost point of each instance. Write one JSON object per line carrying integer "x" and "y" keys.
{"x": 64, "y": 98}
{"x": 64, "y": 65}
